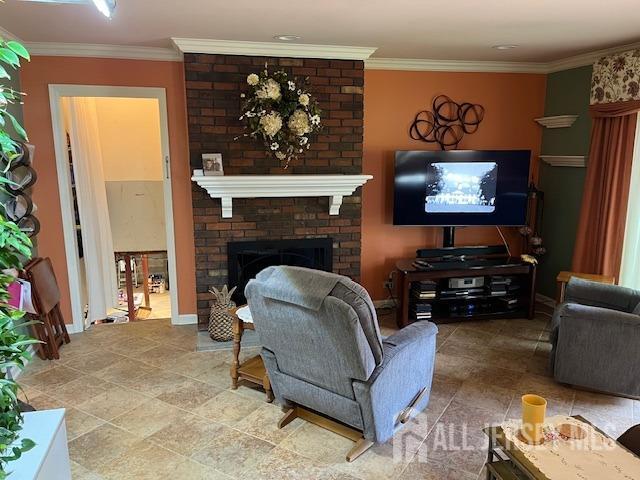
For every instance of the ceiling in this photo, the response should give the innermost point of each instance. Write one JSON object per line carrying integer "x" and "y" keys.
{"x": 544, "y": 30}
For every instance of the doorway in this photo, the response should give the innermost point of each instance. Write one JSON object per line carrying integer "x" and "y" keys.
{"x": 117, "y": 211}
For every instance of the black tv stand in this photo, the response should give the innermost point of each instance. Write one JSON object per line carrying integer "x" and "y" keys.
{"x": 451, "y": 303}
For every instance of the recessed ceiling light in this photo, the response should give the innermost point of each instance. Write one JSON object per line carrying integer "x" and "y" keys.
{"x": 505, "y": 47}
{"x": 106, "y": 7}
{"x": 287, "y": 38}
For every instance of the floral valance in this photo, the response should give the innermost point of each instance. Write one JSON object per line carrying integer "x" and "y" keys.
{"x": 616, "y": 78}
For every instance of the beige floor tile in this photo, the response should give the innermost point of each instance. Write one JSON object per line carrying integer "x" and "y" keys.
{"x": 78, "y": 472}
{"x": 462, "y": 349}
{"x": 482, "y": 396}
{"x": 471, "y": 336}
{"x": 378, "y": 463}
{"x": 115, "y": 401}
{"x": 133, "y": 346}
{"x": 101, "y": 446}
{"x": 604, "y": 405}
{"x": 78, "y": 423}
{"x": 420, "y": 469}
{"x": 45, "y": 402}
{"x": 218, "y": 375}
{"x": 459, "y": 416}
{"x": 233, "y": 452}
{"x": 317, "y": 444}
{"x": 190, "y": 395}
{"x": 149, "y": 417}
{"x": 80, "y": 390}
{"x": 263, "y": 423}
{"x": 123, "y": 371}
{"x": 545, "y": 387}
{"x": 143, "y": 461}
{"x": 228, "y": 407}
{"x": 491, "y": 376}
{"x": 250, "y": 390}
{"x": 460, "y": 449}
{"x": 50, "y": 379}
{"x": 187, "y": 434}
{"x": 156, "y": 382}
{"x": 161, "y": 356}
{"x": 281, "y": 464}
{"x": 191, "y": 470}
{"x": 93, "y": 362}
{"x": 194, "y": 364}
{"x": 453, "y": 366}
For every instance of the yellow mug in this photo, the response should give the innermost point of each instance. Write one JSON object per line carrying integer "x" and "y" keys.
{"x": 533, "y": 413}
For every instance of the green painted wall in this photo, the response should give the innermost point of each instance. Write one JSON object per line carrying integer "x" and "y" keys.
{"x": 567, "y": 94}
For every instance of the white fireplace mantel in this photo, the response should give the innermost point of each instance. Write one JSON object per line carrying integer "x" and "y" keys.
{"x": 228, "y": 187}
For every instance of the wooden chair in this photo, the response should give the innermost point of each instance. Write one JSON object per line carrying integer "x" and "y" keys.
{"x": 46, "y": 301}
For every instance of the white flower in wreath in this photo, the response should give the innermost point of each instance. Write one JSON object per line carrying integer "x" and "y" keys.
{"x": 270, "y": 89}
{"x": 304, "y": 99}
{"x": 315, "y": 120}
{"x": 271, "y": 123}
{"x": 281, "y": 155}
{"x": 292, "y": 85}
{"x": 253, "y": 79}
{"x": 303, "y": 140}
{"x": 275, "y": 146}
{"x": 299, "y": 123}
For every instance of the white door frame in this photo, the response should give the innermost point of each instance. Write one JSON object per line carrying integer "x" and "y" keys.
{"x": 56, "y": 92}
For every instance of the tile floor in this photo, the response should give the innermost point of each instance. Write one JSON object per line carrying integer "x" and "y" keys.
{"x": 142, "y": 404}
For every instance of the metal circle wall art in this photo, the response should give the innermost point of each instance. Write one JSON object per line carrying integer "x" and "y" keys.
{"x": 447, "y": 122}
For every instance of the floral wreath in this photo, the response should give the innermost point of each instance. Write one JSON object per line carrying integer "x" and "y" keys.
{"x": 281, "y": 113}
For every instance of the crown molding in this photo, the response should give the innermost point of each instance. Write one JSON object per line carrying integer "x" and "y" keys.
{"x": 103, "y": 51}
{"x": 272, "y": 49}
{"x": 415, "y": 64}
{"x": 588, "y": 58}
{"x": 7, "y": 35}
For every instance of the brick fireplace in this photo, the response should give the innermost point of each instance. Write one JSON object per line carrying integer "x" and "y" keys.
{"x": 214, "y": 84}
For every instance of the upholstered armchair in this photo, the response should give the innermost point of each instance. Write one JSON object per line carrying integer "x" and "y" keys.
{"x": 325, "y": 357}
{"x": 595, "y": 338}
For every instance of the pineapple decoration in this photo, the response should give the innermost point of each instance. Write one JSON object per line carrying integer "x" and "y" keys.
{"x": 220, "y": 319}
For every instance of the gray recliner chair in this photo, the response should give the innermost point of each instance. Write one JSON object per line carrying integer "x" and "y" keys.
{"x": 325, "y": 357}
{"x": 595, "y": 338}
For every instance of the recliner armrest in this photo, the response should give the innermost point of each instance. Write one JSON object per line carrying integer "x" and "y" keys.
{"x": 406, "y": 369}
{"x": 597, "y": 294}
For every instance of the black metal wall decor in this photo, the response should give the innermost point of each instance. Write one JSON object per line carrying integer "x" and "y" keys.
{"x": 447, "y": 122}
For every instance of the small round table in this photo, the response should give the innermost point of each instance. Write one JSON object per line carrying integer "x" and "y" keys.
{"x": 252, "y": 370}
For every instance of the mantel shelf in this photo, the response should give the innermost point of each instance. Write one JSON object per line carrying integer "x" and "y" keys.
{"x": 228, "y": 187}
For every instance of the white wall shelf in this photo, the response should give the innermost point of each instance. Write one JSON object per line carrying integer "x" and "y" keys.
{"x": 228, "y": 187}
{"x": 557, "y": 121}
{"x": 564, "y": 160}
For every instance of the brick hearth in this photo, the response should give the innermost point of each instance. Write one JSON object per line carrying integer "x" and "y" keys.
{"x": 214, "y": 84}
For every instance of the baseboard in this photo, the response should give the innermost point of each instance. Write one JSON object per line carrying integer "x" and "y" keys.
{"x": 185, "y": 319}
{"x": 543, "y": 299}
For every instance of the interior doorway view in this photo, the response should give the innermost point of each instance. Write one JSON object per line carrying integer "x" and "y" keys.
{"x": 117, "y": 186}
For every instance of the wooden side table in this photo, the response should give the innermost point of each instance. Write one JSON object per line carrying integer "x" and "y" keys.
{"x": 564, "y": 277}
{"x": 251, "y": 370}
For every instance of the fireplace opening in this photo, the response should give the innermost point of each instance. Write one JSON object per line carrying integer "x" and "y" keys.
{"x": 246, "y": 259}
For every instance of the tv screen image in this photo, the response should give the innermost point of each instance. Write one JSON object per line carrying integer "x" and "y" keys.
{"x": 461, "y": 187}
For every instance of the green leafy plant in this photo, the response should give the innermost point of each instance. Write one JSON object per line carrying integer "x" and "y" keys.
{"x": 15, "y": 248}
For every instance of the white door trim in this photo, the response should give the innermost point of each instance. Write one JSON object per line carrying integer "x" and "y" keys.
{"x": 56, "y": 92}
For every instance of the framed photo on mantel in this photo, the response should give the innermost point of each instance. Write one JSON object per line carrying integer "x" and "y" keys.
{"x": 212, "y": 164}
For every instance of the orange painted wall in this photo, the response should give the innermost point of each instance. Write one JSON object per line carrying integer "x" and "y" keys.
{"x": 391, "y": 100}
{"x": 35, "y": 79}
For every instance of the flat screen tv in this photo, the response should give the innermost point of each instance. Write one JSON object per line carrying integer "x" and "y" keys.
{"x": 461, "y": 187}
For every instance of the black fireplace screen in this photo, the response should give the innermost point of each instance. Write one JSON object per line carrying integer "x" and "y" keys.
{"x": 247, "y": 259}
